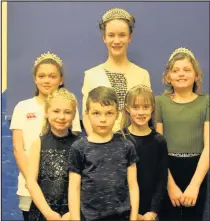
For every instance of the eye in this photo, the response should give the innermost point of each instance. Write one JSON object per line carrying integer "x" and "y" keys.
{"x": 41, "y": 76}
{"x": 110, "y": 113}
{"x": 175, "y": 71}
{"x": 69, "y": 112}
{"x": 56, "y": 111}
{"x": 146, "y": 106}
{"x": 122, "y": 35}
{"x": 95, "y": 113}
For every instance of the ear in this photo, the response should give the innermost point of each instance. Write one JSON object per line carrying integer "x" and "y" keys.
{"x": 62, "y": 80}
{"x": 127, "y": 108}
{"x": 104, "y": 38}
{"x": 167, "y": 78}
{"x": 130, "y": 38}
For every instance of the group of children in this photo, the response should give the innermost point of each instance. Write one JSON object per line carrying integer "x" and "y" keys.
{"x": 153, "y": 167}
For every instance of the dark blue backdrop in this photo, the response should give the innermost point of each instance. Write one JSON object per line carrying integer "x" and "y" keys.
{"x": 70, "y": 29}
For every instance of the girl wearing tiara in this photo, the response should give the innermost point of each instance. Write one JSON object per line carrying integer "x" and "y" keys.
{"x": 118, "y": 72}
{"x": 183, "y": 118}
{"x": 47, "y": 177}
{"x": 28, "y": 115}
{"x": 138, "y": 123}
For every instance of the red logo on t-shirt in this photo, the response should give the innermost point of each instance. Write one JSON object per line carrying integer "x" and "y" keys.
{"x": 31, "y": 115}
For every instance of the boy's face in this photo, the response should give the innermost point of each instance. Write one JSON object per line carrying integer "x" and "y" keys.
{"x": 102, "y": 118}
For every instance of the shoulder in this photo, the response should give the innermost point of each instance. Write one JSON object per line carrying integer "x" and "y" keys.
{"x": 93, "y": 69}
{"x": 79, "y": 143}
{"x": 25, "y": 104}
{"x": 127, "y": 143}
{"x": 139, "y": 69}
{"x": 159, "y": 138}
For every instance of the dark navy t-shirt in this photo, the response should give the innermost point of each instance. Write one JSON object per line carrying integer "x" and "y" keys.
{"x": 103, "y": 170}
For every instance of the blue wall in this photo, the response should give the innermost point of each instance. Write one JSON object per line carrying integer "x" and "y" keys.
{"x": 70, "y": 29}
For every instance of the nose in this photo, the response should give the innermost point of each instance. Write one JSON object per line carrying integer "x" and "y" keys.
{"x": 46, "y": 80}
{"x": 116, "y": 39}
{"x": 61, "y": 115}
{"x": 181, "y": 73}
{"x": 141, "y": 111}
{"x": 103, "y": 118}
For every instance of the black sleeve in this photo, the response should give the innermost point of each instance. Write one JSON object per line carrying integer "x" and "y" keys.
{"x": 75, "y": 161}
{"x": 131, "y": 153}
{"x": 161, "y": 188}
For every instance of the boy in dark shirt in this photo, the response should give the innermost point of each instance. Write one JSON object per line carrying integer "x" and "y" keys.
{"x": 103, "y": 166}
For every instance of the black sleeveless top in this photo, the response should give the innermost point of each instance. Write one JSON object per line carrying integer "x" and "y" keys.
{"x": 53, "y": 173}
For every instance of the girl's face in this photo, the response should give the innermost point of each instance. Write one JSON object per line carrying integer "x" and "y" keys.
{"x": 182, "y": 75}
{"x": 60, "y": 114}
{"x": 117, "y": 37}
{"x": 47, "y": 78}
{"x": 140, "y": 112}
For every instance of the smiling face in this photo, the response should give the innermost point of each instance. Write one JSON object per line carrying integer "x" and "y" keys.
{"x": 117, "y": 37}
{"x": 140, "y": 111}
{"x": 47, "y": 78}
{"x": 182, "y": 75}
{"x": 60, "y": 115}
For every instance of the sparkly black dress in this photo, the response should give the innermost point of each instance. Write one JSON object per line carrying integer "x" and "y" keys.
{"x": 53, "y": 173}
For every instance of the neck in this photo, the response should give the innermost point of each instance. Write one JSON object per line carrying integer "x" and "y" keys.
{"x": 139, "y": 130}
{"x": 41, "y": 98}
{"x": 60, "y": 133}
{"x": 184, "y": 95}
{"x": 117, "y": 62}
{"x": 97, "y": 138}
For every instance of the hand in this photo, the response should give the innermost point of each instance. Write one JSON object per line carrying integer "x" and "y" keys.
{"x": 175, "y": 195}
{"x": 53, "y": 216}
{"x": 149, "y": 216}
{"x": 66, "y": 216}
{"x": 190, "y": 195}
{"x": 140, "y": 217}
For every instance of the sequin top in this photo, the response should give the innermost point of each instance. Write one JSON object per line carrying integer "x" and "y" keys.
{"x": 119, "y": 84}
{"x": 53, "y": 173}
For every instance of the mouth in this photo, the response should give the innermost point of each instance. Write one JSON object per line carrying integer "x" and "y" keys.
{"x": 141, "y": 118}
{"x": 61, "y": 123}
{"x": 182, "y": 80}
{"x": 46, "y": 87}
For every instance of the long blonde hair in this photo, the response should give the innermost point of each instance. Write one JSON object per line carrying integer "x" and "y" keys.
{"x": 198, "y": 72}
{"x": 59, "y": 93}
{"x": 132, "y": 94}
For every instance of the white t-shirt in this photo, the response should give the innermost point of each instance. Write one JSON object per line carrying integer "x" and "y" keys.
{"x": 28, "y": 116}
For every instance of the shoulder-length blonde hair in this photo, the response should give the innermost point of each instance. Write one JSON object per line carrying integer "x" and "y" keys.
{"x": 198, "y": 73}
{"x": 130, "y": 98}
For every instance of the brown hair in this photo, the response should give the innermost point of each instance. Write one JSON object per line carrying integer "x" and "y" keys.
{"x": 47, "y": 61}
{"x": 103, "y": 95}
{"x": 198, "y": 72}
{"x": 59, "y": 93}
{"x": 130, "y": 98}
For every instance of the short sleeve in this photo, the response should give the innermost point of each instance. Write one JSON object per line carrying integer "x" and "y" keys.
{"x": 76, "y": 122}
{"x": 158, "y": 111}
{"x": 75, "y": 161}
{"x": 131, "y": 153}
{"x": 147, "y": 81}
{"x": 18, "y": 118}
{"x": 85, "y": 91}
{"x": 207, "y": 107}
